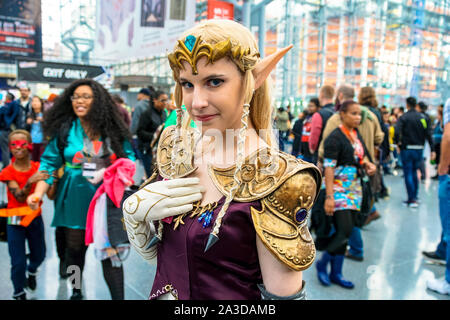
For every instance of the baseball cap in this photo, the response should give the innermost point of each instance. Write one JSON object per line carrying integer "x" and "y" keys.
{"x": 145, "y": 91}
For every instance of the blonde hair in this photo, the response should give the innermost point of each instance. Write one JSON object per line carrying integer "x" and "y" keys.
{"x": 257, "y": 103}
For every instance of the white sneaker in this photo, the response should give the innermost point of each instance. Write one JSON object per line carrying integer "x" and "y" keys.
{"x": 413, "y": 204}
{"x": 439, "y": 285}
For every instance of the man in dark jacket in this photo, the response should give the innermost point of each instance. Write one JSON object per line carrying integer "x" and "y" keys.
{"x": 150, "y": 126}
{"x": 410, "y": 134}
{"x": 24, "y": 103}
{"x": 422, "y": 108}
{"x": 8, "y": 115}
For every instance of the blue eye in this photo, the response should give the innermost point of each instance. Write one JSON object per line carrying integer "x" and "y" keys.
{"x": 186, "y": 85}
{"x": 215, "y": 82}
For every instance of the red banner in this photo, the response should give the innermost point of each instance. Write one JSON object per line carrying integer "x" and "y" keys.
{"x": 220, "y": 10}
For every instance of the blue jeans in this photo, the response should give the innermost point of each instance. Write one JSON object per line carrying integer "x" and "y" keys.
{"x": 396, "y": 157}
{"x": 137, "y": 152}
{"x": 17, "y": 235}
{"x": 411, "y": 162}
{"x": 355, "y": 243}
{"x": 147, "y": 162}
{"x": 441, "y": 250}
{"x": 444, "y": 212}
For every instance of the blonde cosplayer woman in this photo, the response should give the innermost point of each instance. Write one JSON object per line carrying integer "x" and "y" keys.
{"x": 224, "y": 213}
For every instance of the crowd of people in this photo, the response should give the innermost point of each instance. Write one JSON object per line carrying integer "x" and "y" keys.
{"x": 390, "y": 139}
{"x": 80, "y": 150}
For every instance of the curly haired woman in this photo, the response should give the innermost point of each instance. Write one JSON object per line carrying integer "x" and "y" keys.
{"x": 86, "y": 134}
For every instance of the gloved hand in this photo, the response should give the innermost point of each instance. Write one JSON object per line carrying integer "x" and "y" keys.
{"x": 98, "y": 176}
{"x": 156, "y": 201}
{"x": 163, "y": 199}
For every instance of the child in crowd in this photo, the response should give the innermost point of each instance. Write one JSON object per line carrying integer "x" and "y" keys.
{"x": 34, "y": 126}
{"x": 23, "y": 223}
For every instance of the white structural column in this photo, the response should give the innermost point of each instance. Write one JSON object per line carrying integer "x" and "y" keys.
{"x": 398, "y": 50}
{"x": 365, "y": 51}
{"x": 305, "y": 38}
{"x": 340, "y": 60}
{"x": 323, "y": 30}
{"x": 380, "y": 54}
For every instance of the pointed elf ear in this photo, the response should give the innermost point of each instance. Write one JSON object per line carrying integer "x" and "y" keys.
{"x": 266, "y": 65}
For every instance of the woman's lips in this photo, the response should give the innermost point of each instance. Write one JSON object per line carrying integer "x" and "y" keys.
{"x": 80, "y": 108}
{"x": 205, "y": 117}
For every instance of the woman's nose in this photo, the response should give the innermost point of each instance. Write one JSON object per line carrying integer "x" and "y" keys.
{"x": 199, "y": 99}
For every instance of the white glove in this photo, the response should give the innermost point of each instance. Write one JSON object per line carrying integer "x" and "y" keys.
{"x": 98, "y": 176}
{"x": 156, "y": 201}
{"x": 163, "y": 199}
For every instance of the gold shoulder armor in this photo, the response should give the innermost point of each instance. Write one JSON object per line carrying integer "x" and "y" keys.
{"x": 281, "y": 223}
{"x": 184, "y": 155}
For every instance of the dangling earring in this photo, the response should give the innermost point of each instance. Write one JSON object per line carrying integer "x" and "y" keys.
{"x": 158, "y": 236}
{"x": 214, "y": 235}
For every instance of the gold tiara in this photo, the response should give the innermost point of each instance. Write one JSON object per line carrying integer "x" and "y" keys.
{"x": 191, "y": 51}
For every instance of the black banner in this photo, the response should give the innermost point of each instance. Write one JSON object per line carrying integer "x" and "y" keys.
{"x": 52, "y": 72}
{"x": 20, "y": 29}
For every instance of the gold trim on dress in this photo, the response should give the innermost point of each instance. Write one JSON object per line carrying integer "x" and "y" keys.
{"x": 195, "y": 212}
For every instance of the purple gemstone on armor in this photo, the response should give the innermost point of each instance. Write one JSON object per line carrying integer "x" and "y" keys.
{"x": 301, "y": 215}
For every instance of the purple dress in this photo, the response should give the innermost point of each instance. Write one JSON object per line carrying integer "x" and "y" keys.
{"x": 229, "y": 270}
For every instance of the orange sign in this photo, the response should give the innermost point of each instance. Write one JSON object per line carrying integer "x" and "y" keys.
{"x": 220, "y": 10}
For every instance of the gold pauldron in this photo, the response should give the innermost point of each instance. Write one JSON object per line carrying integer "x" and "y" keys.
{"x": 261, "y": 174}
{"x": 191, "y": 50}
{"x": 281, "y": 223}
{"x": 183, "y": 162}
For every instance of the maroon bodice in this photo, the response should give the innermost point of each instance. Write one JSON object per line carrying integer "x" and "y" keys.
{"x": 229, "y": 270}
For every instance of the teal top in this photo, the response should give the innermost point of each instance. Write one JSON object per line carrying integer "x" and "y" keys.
{"x": 172, "y": 118}
{"x": 74, "y": 192}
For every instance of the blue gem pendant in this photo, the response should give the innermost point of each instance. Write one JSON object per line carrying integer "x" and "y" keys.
{"x": 205, "y": 214}
{"x": 206, "y": 217}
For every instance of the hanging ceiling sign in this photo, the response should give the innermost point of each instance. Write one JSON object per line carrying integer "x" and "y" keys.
{"x": 43, "y": 71}
{"x": 140, "y": 28}
{"x": 20, "y": 29}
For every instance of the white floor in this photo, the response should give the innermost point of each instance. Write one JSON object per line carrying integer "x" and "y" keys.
{"x": 393, "y": 266}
